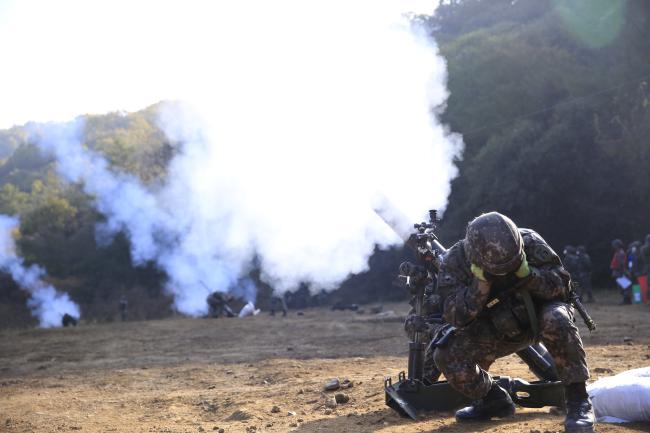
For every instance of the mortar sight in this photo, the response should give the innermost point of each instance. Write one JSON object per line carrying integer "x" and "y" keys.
{"x": 433, "y": 221}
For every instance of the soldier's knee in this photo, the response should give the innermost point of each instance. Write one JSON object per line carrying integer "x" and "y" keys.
{"x": 556, "y": 318}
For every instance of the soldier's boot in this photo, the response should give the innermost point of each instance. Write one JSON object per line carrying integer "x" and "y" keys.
{"x": 496, "y": 404}
{"x": 580, "y": 412}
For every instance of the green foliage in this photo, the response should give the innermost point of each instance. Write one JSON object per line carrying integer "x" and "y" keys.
{"x": 553, "y": 101}
{"x": 57, "y": 219}
{"x": 555, "y": 124}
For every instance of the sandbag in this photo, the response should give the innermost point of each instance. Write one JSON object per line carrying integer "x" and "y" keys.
{"x": 249, "y": 310}
{"x": 622, "y": 398}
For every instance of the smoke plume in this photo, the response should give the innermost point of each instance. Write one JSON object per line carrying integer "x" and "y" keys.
{"x": 296, "y": 122}
{"x": 46, "y": 303}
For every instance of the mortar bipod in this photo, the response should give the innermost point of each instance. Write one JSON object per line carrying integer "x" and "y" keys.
{"x": 409, "y": 397}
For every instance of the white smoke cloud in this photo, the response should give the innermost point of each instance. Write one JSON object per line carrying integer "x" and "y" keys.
{"x": 46, "y": 303}
{"x": 298, "y": 117}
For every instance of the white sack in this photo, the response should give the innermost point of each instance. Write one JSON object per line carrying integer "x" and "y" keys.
{"x": 249, "y": 310}
{"x": 622, "y": 398}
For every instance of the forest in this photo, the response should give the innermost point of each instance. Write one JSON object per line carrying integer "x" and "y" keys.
{"x": 552, "y": 101}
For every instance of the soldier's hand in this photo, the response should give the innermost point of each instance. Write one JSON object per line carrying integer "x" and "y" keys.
{"x": 523, "y": 270}
{"x": 478, "y": 272}
{"x": 415, "y": 323}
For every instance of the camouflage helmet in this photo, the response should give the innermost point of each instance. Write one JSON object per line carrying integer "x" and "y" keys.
{"x": 493, "y": 242}
{"x": 569, "y": 249}
{"x": 617, "y": 243}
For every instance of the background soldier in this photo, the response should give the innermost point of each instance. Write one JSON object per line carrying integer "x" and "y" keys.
{"x": 645, "y": 255}
{"x": 218, "y": 305}
{"x": 68, "y": 320}
{"x": 584, "y": 273}
{"x": 277, "y": 303}
{"x": 503, "y": 289}
{"x": 124, "y": 307}
{"x": 570, "y": 263}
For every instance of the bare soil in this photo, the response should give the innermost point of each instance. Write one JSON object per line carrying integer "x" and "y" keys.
{"x": 195, "y": 375}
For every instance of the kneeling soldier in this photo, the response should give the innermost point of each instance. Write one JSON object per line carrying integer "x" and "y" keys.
{"x": 503, "y": 289}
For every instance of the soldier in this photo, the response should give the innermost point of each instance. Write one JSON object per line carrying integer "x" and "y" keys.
{"x": 68, "y": 320}
{"x": 124, "y": 307}
{"x": 634, "y": 260}
{"x": 278, "y": 303}
{"x": 504, "y": 288}
{"x": 570, "y": 263}
{"x": 645, "y": 255}
{"x": 584, "y": 272}
{"x": 218, "y": 305}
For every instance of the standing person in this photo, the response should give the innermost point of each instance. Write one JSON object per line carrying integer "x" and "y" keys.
{"x": 618, "y": 266}
{"x": 278, "y": 303}
{"x": 124, "y": 308}
{"x": 504, "y": 288}
{"x": 634, "y": 260}
{"x": 645, "y": 255}
{"x": 571, "y": 265}
{"x": 584, "y": 272}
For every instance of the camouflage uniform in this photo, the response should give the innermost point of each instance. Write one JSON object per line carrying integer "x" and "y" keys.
{"x": 489, "y": 329}
{"x": 218, "y": 305}
{"x": 583, "y": 276}
{"x": 571, "y": 263}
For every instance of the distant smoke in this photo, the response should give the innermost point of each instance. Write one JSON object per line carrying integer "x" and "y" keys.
{"x": 45, "y": 302}
{"x": 305, "y": 120}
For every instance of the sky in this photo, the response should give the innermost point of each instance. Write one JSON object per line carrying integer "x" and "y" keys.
{"x": 69, "y": 57}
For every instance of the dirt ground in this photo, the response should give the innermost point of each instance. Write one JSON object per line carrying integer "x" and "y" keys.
{"x": 194, "y": 375}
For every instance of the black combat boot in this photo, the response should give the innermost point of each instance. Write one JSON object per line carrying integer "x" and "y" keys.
{"x": 496, "y": 404}
{"x": 579, "y": 411}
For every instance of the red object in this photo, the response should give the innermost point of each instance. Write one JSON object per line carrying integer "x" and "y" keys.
{"x": 643, "y": 282}
{"x": 618, "y": 261}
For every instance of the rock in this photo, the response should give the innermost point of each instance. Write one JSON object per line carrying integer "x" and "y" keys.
{"x": 301, "y": 420}
{"x": 221, "y": 430}
{"x": 239, "y": 415}
{"x": 603, "y": 370}
{"x": 346, "y": 384}
{"x": 332, "y": 385}
{"x": 201, "y": 428}
{"x": 293, "y": 424}
{"x": 328, "y": 411}
{"x": 269, "y": 424}
{"x": 331, "y": 403}
{"x": 275, "y": 409}
{"x": 627, "y": 339}
{"x": 301, "y": 391}
{"x": 341, "y": 398}
{"x": 291, "y": 413}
